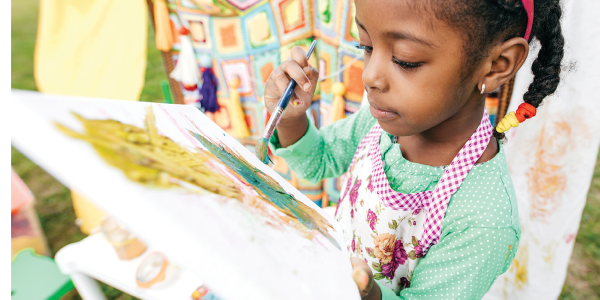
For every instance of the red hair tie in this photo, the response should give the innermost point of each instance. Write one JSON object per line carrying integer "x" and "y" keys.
{"x": 525, "y": 111}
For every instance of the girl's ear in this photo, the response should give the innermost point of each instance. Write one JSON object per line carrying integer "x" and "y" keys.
{"x": 504, "y": 61}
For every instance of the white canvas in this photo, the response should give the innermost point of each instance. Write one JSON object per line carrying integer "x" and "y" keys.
{"x": 223, "y": 242}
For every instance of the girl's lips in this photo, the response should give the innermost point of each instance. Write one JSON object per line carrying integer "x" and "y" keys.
{"x": 381, "y": 114}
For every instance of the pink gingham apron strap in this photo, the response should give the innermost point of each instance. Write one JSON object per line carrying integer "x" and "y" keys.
{"x": 452, "y": 179}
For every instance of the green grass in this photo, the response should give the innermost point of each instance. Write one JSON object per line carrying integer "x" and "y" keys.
{"x": 55, "y": 208}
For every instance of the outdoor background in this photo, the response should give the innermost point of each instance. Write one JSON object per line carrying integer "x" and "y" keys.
{"x": 53, "y": 200}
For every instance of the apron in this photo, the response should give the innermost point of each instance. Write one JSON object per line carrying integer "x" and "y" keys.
{"x": 391, "y": 231}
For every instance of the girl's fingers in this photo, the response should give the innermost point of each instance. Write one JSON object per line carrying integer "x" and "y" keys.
{"x": 362, "y": 275}
{"x": 280, "y": 80}
{"x": 294, "y": 71}
{"x": 298, "y": 55}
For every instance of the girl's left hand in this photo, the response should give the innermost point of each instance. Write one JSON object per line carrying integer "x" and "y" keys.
{"x": 363, "y": 277}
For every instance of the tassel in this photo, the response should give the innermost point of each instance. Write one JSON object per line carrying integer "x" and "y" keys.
{"x": 162, "y": 25}
{"x": 236, "y": 113}
{"x": 186, "y": 71}
{"x": 208, "y": 91}
{"x": 338, "y": 107}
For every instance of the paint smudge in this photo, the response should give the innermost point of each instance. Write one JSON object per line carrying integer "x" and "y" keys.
{"x": 546, "y": 179}
{"x": 519, "y": 266}
{"x": 267, "y": 187}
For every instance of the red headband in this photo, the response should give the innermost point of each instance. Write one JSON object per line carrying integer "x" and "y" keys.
{"x": 528, "y": 4}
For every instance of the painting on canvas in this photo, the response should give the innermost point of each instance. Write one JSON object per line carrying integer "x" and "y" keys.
{"x": 186, "y": 187}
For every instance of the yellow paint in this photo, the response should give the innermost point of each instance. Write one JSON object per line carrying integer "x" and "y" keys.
{"x": 519, "y": 267}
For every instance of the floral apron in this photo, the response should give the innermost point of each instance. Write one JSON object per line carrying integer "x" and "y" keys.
{"x": 391, "y": 231}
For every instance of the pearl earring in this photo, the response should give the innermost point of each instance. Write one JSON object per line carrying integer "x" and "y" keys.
{"x": 482, "y": 88}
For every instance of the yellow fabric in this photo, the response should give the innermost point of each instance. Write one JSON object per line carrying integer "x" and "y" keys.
{"x": 93, "y": 48}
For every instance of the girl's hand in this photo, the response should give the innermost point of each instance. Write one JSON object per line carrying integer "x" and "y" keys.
{"x": 363, "y": 277}
{"x": 297, "y": 68}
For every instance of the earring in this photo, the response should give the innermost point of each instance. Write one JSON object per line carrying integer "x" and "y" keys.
{"x": 482, "y": 88}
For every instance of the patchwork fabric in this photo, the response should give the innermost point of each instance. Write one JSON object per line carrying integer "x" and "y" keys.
{"x": 327, "y": 56}
{"x": 293, "y": 19}
{"x": 263, "y": 64}
{"x": 260, "y": 31}
{"x": 217, "y": 8}
{"x": 242, "y": 5}
{"x": 327, "y": 16}
{"x": 199, "y": 26}
{"x": 227, "y": 34}
{"x": 240, "y": 68}
{"x": 222, "y": 90}
{"x": 349, "y": 30}
{"x": 352, "y": 78}
{"x": 254, "y": 117}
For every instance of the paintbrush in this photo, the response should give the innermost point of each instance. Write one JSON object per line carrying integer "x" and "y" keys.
{"x": 261, "y": 147}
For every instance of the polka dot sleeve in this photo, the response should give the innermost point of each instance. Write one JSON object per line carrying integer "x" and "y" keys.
{"x": 326, "y": 152}
{"x": 462, "y": 266}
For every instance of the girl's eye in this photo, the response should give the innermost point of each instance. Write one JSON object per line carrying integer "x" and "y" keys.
{"x": 405, "y": 65}
{"x": 367, "y": 49}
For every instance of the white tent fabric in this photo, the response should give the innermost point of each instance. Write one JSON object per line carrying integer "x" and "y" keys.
{"x": 551, "y": 159}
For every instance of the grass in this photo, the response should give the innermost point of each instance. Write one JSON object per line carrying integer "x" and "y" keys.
{"x": 55, "y": 208}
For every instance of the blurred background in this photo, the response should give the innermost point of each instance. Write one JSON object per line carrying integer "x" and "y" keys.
{"x": 54, "y": 205}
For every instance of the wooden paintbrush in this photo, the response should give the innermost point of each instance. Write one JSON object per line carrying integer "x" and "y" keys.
{"x": 261, "y": 147}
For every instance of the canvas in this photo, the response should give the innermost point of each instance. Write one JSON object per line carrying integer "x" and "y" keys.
{"x": 181, "y": 184}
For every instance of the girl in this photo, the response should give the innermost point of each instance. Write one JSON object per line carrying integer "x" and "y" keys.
{"x": 428, "y": 208}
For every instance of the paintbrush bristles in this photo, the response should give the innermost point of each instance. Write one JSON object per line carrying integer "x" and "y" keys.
{"x": 261, "y": 150}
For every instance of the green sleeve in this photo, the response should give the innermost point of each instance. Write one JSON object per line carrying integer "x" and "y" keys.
{"x": 326, "y": 152}
{"x": 462, "y": 266}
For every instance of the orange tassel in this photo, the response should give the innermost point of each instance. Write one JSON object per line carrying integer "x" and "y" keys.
{"x": 338, "y": 107}
{"x": 162, "y": 25}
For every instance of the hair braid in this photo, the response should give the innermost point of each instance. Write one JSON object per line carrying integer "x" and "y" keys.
{"x": 547, "y": 66}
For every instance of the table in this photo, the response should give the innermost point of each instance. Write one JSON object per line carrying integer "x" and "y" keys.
{"x": 94, "y": 258}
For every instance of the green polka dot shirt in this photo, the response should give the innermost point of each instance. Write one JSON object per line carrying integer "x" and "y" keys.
{"x": 480, "y": 231}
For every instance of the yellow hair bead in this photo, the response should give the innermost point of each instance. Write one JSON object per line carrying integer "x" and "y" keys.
{"x": 512, "y": 118}
{"x": 507, "y": 122}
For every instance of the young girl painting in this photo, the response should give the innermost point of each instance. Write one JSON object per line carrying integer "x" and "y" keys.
{"x": 428, "y": 209}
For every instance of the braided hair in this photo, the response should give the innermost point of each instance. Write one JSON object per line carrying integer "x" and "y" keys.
{"x": 485, "y": 23}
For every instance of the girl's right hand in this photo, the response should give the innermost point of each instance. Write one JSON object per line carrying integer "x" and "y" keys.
{"x": 306, "y": 76}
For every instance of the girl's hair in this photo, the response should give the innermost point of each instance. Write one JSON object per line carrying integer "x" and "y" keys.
{"x": 485, "y": 23}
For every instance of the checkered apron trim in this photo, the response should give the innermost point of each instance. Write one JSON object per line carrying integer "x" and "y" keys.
{"x": 435, "y": 201}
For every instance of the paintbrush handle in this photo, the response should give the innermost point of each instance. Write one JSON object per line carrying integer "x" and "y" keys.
{"x": 283, "y": 101}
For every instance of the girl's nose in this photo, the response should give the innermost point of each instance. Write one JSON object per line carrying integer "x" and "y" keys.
{"x": 374, "y": 73}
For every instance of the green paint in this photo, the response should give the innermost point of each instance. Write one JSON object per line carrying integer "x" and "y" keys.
{"x": 267, "y": 187}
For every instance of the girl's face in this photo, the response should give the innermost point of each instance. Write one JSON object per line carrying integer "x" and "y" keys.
{"x": 413, "y": 65}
